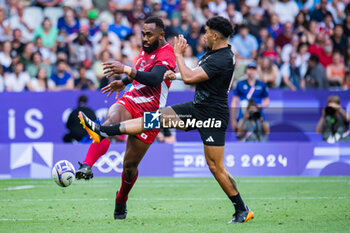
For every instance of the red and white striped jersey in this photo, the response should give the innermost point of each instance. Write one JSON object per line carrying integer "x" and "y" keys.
{"x": 147, "y": 98}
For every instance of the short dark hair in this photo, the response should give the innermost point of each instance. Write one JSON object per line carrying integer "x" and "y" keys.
{"x": 156, "y": 20}
{"x": 314, "y": 58}
{"x": 221, "y": 25}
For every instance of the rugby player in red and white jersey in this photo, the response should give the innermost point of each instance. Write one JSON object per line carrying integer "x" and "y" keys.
{"x": 148, "y": 93}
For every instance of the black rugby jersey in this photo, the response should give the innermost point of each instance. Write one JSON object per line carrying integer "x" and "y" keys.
{"x": 219, "y": 65}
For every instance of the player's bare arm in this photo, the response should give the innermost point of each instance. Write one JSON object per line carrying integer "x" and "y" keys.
{"x": 188, "y": 75}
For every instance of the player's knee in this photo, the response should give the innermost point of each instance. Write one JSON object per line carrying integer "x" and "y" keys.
{"x": 212, "y": 167}
{"x": 129, "y": 169}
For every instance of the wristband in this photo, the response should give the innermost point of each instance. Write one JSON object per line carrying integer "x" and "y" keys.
{"x": 126, "y": 81}
{"x": 178, "y": 76}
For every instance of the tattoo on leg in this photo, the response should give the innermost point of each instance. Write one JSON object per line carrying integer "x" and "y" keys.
{"x": 233, "y": 182}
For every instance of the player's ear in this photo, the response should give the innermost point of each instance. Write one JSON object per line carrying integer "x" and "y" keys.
{"x": 161, "y": 35}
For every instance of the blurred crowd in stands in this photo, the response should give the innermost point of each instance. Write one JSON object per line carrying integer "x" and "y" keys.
{"x": 61, "y": 44}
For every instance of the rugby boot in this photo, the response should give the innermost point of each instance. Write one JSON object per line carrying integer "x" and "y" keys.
{"x": 242, "y": 216}
{"x": 92, "y": 128}
{"x": 84, "y": 172}
{"x": 120, "y": 211}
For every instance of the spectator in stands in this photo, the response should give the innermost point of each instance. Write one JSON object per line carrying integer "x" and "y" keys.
{"x": 105, "y": 56}
{"x": 326, "y": 55}
{"x": 106, "y": 44}
{"x": 137, "y": 13}
{"x": 47, "y": 3}
{"x": 123, "y": 5}
{"x": 112, "y": 37}
{"x": 300, "y": 24}
{"x": 334, "y": 122}
{"x": 302, "y": 57}
{"x": 47, "y": 33}
{"x": 346, "y": 25}
{"x": 319, "y": 14}
{"x": 291, "y": 78}
{"x": 82, "y": 82}
{"x": 245, "y": 44}
{"x": 311, "y": 34}
{"x": 195, "y": 8}
{"x": 76, "y": 133}
{"x": 252, "y": 127}
{"x": 118, "y": 28}
{"x": 184, "y": 27}
{"x": 45, "y": 52}
{"x": 35, "y": 64}
{"x": 62, "y": 46}
{"x": 286, "y": 10}
{"x": 275, "y": 28}
{"x": 93, "y": 26}
{"x": 4, "y": 26}
{"x": 5, "y": 56}
{"x": 62, "y": 79}
{"x": 16, "y": 41}
{"x": 41, "y": 82}
{"x": 256, "y": 21}
{"x": 235, "y": 17}
{"x": 268, "y": 72}
{"x": 69, "y": 24}
{"x": 131, "y": 48}
{"x": 289, "y": 48}
{"x": 267, "y": 6}
{"x": 218, "y": 7}
{"x": 339, "y": 40}
{"x": 200, "y": 48}
{"x": 247, "y": 89}
{"x": 315, "y": 77}
{"x": 327, "y": 25}
{"x": 263, "y": 36}
{"x": 27, "y": 53}
{"x": 336, "y": 71}
{"x": 19, "y": 80}
{"x": 269, "y": 50}
{"x": 192, "y": 38}
{"x": 285, "y": 37}
{"x": 107, "y": 15}
{"x": 25, "y": 25}
{"x": 81, "y": 53}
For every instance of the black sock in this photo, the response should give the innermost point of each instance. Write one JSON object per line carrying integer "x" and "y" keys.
{"x": 238, "y": 203}
{"x": 110, "y": 130}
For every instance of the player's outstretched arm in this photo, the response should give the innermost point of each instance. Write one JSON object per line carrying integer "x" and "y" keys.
{"x": 188, "y": 75}
{"x": 151, "y": 78}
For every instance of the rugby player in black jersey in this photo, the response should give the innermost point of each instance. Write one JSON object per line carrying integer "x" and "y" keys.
{"x": 212, "y": 78}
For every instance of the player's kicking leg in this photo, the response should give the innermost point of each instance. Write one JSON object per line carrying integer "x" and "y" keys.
{"x": 215, "y": 160}
{"x": 116, "y": 113}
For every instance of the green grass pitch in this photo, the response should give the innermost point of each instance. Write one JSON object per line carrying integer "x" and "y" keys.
{"x": 280, "y": 204}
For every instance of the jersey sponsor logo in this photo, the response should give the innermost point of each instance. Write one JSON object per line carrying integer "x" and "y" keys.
{"x": 210, "y": 139}
{"x": 151, "y": 120}
{"x": 144, "y": 136}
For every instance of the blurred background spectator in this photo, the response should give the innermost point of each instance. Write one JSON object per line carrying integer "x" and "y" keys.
{"x": 76, "y": 133}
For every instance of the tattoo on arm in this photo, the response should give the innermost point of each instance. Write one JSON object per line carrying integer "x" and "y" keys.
{"x": 133, "y": 73}
{"x": 233, "y": 182}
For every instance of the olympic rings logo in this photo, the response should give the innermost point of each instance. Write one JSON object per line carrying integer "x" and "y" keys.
{"x": 113, "y": 160}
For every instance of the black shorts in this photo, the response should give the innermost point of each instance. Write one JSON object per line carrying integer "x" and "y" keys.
{"x": 214, "y": 121}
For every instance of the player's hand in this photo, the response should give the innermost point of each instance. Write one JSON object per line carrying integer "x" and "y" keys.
{"x": 180, "y": 45}
{"x": 116, "y": 85}
{"x": 112, "y": 68}
{"x": 169, "y": 75}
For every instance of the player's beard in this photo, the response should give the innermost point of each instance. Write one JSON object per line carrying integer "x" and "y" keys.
{"x": 151, "y": 47}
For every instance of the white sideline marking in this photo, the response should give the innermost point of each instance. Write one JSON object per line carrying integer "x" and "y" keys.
{"x": 19, "y": 187}
{"x": 175, "y": 199}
